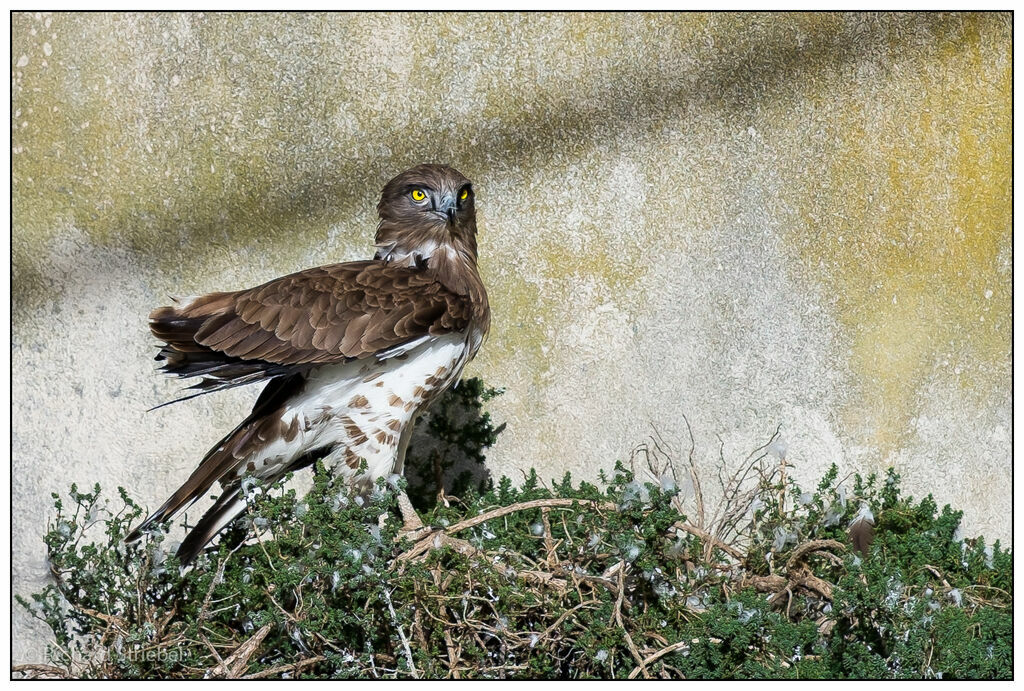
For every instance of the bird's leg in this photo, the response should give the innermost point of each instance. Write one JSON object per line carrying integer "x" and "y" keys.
{"x": 410, "y": 519}
{"x": 412, "y": 526}
{"x": 439, "y": 479}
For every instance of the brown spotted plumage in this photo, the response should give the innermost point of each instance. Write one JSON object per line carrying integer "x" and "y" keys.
{"x": 351, "y": 353}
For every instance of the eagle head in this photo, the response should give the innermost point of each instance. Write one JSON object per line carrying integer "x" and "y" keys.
{"x": 426, "y": 209}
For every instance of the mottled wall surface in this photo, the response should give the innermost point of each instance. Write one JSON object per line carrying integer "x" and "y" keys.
{"x": 750, "y": 220}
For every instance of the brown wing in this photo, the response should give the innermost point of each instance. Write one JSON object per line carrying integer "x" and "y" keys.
{"x": 321, "y": 315}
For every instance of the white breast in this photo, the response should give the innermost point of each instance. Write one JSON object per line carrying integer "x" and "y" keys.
{"x": 363, "y": 406}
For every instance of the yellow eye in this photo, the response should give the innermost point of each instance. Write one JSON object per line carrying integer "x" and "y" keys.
{"x": 418, "y": 195}
{"x": 465, "y": 193}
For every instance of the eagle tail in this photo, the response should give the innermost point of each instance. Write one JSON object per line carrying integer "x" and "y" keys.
{"x": 224, "y": 510}
{"x": 214, "y": 465}
{"x": 225, "y": 454}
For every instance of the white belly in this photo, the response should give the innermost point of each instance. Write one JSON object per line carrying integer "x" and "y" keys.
{"x": 361, "y": 408}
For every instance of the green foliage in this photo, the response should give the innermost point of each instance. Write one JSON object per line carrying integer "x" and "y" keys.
{"x": 447, "y": 448}
{"x": 567, "y": 580}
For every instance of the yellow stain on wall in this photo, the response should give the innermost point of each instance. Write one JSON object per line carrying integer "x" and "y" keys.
{"x": 917, "y": 210}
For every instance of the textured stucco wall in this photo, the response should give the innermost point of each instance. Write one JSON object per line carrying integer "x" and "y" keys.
{"x": 748, "y": 219}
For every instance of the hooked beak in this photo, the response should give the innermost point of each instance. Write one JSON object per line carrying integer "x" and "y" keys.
{"x": 448, "y": 208}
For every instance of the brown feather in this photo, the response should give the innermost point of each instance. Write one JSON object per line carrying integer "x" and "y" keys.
{"x": 286, "y": 319}
{"x": 206, "y": 528}
{"x": 268, "y": 316}
{"x": 862, "y": 534}
{"x": 226, "y": 338}
{"x": 351, "y": 337}
{"x": 209, "y": 304}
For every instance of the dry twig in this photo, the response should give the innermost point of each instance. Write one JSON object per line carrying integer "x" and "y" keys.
{"x": 401, "y": 636}
{"x": 681, "y": 645}
{"x": 281, "y": 669}
{"x": 233, "y": 665}
{"x": 32, "y": 671}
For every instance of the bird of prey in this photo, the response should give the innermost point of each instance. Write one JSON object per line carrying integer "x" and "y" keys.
{"x": 351, "y": 353}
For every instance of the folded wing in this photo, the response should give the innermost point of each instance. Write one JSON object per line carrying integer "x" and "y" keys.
{"x": 318, "y": 316}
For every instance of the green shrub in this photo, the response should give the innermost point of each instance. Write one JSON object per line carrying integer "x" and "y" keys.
{"x": 567, "y": 580}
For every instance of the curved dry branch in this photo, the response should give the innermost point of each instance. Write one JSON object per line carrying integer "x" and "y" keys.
{"x": 32, "y": 671}
{"x": 424, "y": 543}
{"x": 707, "y": 537}
{"x": 661, "y": 653}
{"x": 814, "y": 546}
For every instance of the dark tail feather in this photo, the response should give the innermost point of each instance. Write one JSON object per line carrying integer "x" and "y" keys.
{"x": 226, "y": 508}
{"x": 218, "y": 371}
{"x": 221, "y": 458}
{"x": 185, "y": 358}
{"x": 214, "y": 464}
{"x": 209, "y": 385}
